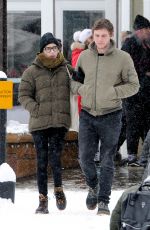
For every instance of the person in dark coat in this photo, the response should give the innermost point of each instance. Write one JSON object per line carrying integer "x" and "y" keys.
{"x": 115, "y": 220}
{"x": 45, "y": 92}
{"x": 137, "y": 107}
{"x": 122, "y": 137}
{"x": 144, "y": 159}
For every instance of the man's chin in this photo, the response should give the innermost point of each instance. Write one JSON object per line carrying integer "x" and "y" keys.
{"x": 101, "y": 46}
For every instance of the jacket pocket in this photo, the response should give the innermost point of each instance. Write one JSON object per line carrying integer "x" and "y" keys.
{"x": 110, "y": 94}
{"x": 85, "y": 91}
{"x": 35, "y": 111}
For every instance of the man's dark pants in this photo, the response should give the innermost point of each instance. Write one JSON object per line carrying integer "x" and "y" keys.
{"x": 105, "y": 128}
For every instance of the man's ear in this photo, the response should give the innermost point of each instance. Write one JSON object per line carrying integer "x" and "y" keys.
{"x": 112, "y": 34}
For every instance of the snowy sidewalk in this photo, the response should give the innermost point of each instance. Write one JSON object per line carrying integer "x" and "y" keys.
{"x": 20, "y": 215}
{"x": 76, "y": 216}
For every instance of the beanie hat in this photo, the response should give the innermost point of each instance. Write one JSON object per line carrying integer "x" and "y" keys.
{"x": 140, "y": 22}
{"x": 84, "y": 35}
{"x": 76, "y": 36}
{"x": 47, "y": 39}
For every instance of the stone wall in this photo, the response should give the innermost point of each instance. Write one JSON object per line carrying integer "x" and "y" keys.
{"x": 21, "y": 155}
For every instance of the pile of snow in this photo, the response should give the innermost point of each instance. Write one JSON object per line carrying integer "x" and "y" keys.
{"x": 5, "y": 205}
{"x": 2, "y": 75}
{"x": 17, "y": 127}
{"x": 7, "y": 173}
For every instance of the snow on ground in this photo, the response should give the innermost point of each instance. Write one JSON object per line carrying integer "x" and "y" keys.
{"x": 20, "y": 215}
{"x": 16, "y": 127}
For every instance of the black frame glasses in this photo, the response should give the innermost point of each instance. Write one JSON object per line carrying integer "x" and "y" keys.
{"x": 49, "y": 49}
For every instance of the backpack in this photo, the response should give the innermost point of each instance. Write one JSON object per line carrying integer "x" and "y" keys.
{"x": 135, "y": 213}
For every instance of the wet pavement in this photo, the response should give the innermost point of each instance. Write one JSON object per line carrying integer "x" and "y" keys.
{"x": 73, "y": 179}
{"x": 127, "y": 176}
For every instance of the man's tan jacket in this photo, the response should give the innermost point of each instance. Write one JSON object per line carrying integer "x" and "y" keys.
{"x": 108, "y": 79}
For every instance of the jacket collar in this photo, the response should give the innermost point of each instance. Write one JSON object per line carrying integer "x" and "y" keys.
{"x": 42, "y": 61}
{"x": 110, "y": 50}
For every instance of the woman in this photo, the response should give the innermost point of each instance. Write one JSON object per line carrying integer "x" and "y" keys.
{"x": 45, "y": 92}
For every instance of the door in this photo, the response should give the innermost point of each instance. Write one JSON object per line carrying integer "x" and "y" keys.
{"x": 71, "y": 16}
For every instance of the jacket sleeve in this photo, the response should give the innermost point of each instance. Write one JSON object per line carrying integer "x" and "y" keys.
{"x": 144, "y": 157}
{"x": 26, "y": 95}
{"x": 75, "y": 85}
{"x": 115, "y": 220}
{"x": 130, "y": 83}
{"x": 78, "y": 76}
{"x": 128, "y": 46}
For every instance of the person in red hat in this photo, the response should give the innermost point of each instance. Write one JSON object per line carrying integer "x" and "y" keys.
{"x": 81, "y": 41}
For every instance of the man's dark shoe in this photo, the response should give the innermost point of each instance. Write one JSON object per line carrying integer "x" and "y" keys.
{"x": 124, "y": 162}
{"x": 61, "y": 201}
{"x": 142, "y": 163}
{"x": 91, "y": 200}
{"x": 103, "y": 208}
{"x": 132, "y": 160}
{"x": 134, "y": 164}
{"x": 43, "y": 205}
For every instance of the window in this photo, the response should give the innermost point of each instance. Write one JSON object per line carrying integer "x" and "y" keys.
{"x": 24, "y": 30}
{"x": 74, "y": 21}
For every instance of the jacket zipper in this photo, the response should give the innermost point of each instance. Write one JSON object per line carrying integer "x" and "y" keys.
{"x": 96, "y": 84}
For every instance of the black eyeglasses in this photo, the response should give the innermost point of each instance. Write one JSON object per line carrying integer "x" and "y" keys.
{"x": 49, "y": 49}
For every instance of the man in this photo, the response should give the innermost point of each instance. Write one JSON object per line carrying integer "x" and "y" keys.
{"x": 109, "y": 76}
{"x": 137, "y": 107}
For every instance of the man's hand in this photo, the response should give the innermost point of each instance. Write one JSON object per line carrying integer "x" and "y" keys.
{"x": 78, "y": 76}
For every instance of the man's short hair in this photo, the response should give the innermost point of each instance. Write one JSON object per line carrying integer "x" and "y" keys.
{"x": 103, "y": 24}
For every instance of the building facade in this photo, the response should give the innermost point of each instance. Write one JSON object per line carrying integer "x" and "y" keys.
{"x": 28, "y": 19}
